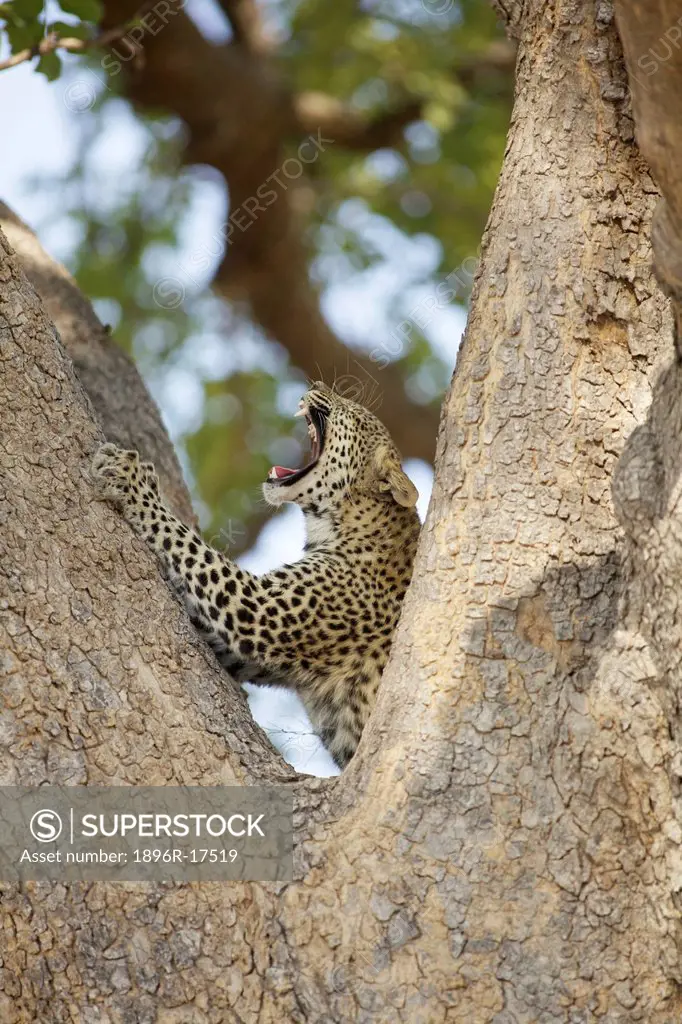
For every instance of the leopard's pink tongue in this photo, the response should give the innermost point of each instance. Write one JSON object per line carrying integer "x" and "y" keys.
{"x": 281, "y": 471}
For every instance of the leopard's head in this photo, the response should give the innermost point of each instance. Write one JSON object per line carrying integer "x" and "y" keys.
{"x": 352, "y": 456}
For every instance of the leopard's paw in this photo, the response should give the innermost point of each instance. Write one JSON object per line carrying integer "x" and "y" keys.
{"x": 116, "y": 473}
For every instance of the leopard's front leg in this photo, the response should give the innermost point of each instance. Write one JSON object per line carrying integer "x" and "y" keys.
{"x": 211, "y": 585}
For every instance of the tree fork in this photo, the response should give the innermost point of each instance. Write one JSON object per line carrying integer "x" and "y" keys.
{"x": 502, "y": 848}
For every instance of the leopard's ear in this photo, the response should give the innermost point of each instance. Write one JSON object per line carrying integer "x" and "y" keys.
{"x": 390, "y": 476}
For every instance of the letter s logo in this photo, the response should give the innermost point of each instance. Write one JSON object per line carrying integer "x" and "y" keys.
{"x": 46, "y": 826}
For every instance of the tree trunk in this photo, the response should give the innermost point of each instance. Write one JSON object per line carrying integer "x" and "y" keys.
{"x": 505, "y": 847}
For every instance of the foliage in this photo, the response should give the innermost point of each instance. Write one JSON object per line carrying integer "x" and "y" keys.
{"x": 26, "y": 22}
{"x": 443, "y": 180}
{"x": 130, "y": 229}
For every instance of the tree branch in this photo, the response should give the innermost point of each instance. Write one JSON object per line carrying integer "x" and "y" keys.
{"x": 499, "y": 58}
{"x": 247, "y": 25}
{"x": 48, "y": 437}
{"x": 53, "y": 41}
{"x": 347, "y": 127}
{"x": 125, "y": 411}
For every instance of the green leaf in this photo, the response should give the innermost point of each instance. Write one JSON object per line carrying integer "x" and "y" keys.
{"x": 87, "y": 10}
{"x": 65, "y": 31}
{"x": 28, "y": 10}
{"x": 50, "y": 65}
{"x": 22, "y": 37}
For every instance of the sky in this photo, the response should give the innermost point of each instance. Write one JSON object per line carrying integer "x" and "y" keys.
{"x": 36, "y": 125}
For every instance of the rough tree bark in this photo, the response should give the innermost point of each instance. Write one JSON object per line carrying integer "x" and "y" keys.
{"x": 505, "y": 847}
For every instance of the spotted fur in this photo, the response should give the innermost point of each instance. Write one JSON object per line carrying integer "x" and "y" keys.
{"x": 322, "y": 625}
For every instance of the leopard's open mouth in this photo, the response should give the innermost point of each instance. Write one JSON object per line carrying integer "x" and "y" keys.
{"x": 317, "y": 424}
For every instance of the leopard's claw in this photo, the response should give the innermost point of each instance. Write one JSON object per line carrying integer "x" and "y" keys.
{"x": 114, "y": 470}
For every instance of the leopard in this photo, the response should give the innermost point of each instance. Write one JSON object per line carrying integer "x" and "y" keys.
{"x": 323, "y": 625}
